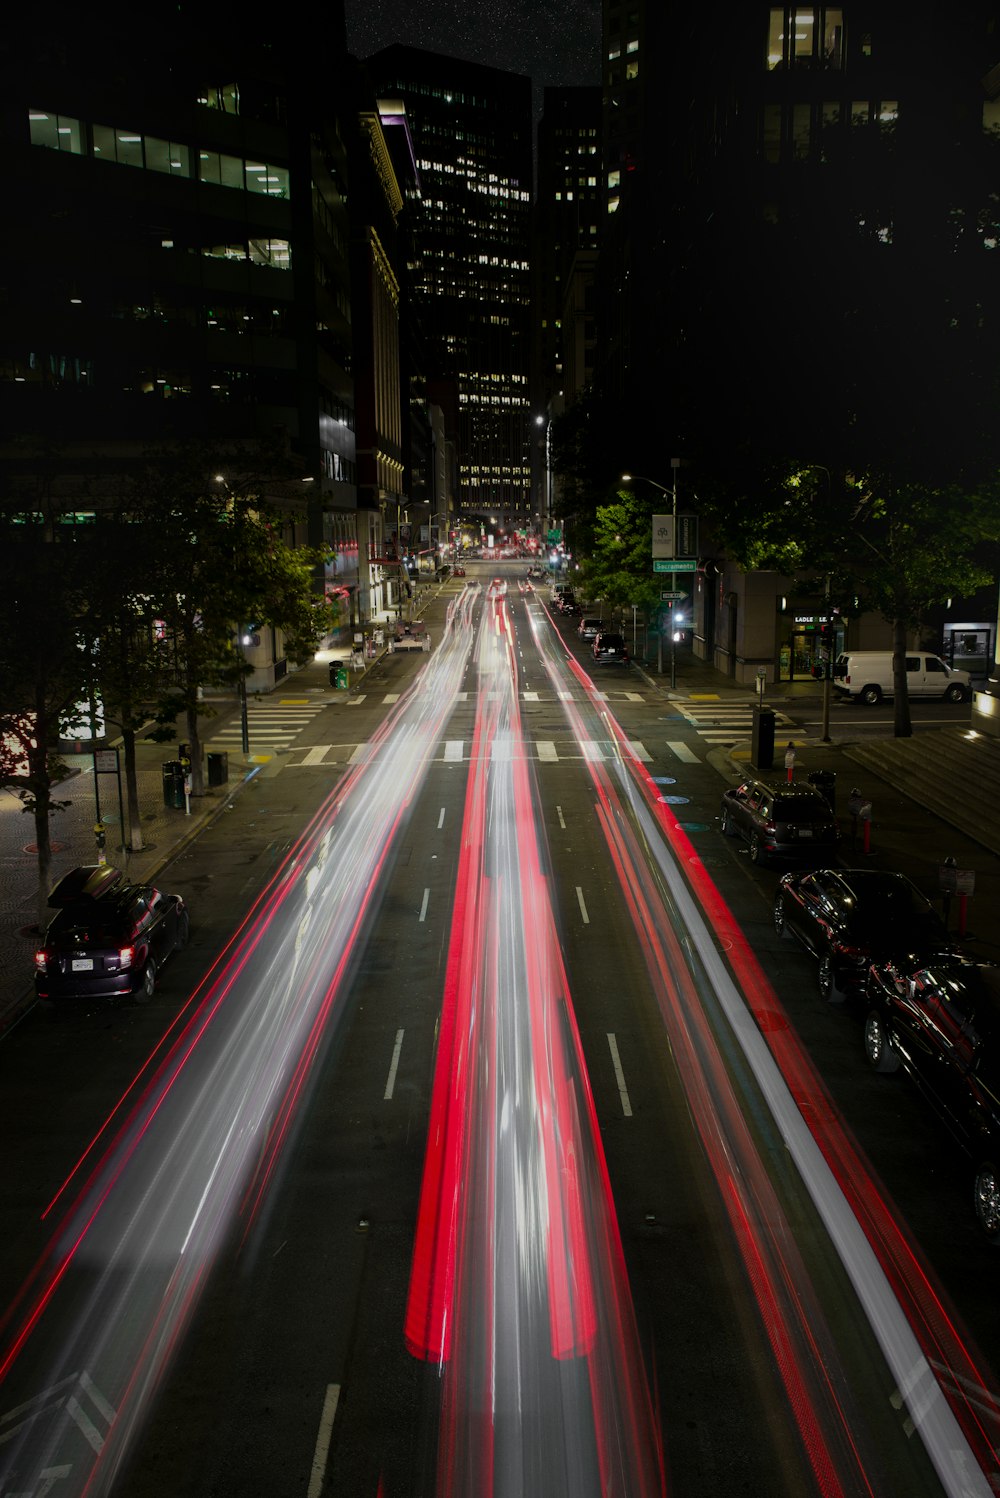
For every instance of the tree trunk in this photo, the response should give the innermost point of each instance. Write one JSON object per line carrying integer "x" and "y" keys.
{"x": 902, "y": 727}
{"x": 135, "y": 842}
{"x": 39, "y": 773}
{"x": 194, "y": 739}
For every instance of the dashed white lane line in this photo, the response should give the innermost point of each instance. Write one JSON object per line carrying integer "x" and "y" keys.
{"x": 424, "y": 904}
{"x": 583, "y": 906}
{"x": 391, "y": 1079}
{"x": 317, "y": 1478}
{"x": 619, "y": 1075}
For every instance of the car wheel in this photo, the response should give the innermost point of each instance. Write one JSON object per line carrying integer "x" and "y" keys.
{"x": 955, "y": 693}
{"x": 987, "y": 1201}
{"x": 148, "y": 985}
{"x": 829, "y": 988}
{"x": 877, "y": 1048}
{"x": 183, "y": 932}
{"x": 871, "y": 696}
{"x": 728, "y": 825}
{"x": 757, "y": 853}
{"x": 780, "y": 924}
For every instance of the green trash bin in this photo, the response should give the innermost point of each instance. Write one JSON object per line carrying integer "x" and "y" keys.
{"x": 173, "y": 784}
{"x": 341, "y": 680}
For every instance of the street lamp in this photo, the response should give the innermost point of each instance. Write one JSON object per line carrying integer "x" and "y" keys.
{"x": 627, "y": 478}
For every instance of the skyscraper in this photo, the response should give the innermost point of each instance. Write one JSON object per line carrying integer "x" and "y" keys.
{"x": 470, "y": 272}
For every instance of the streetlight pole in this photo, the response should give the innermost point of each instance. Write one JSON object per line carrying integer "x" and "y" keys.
{"x": 675, "y": 463}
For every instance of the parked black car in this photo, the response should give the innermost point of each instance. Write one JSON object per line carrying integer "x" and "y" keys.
{"x": 589, "y": 628}
{"x": 790, "y": 820}
{"x": 849, "y": 918}
{"x": 108, "y": 938}
{"x": 611, "y": 648}
{"x": 941, "y": 1023}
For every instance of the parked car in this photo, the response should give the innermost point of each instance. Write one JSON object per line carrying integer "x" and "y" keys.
{"x": 458, "y": 571}
{"x": 589, "y": 629}
{"x": 610, "y": 648}
{"x": 866, "y": 676}
{"x": 570, "y": 607}
{"x": 109, "y": 937}
{"x": 792, "y": 821}
{"x": 848, "y": 918}
{"x": 940, "y": 1022}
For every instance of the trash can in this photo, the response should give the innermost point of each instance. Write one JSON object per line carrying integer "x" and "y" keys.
{"x": 762, "y": 738}
{"x": 338, "y": 676}
{"x": 825, "y": 782}
{"x": 173, "y": 784}
{"x": 218, "y": 767}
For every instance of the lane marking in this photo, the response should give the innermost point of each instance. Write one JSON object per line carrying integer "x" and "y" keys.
{"x": 682, "y": 752}
{"x": 355, "y": 701}
{"x": 616, "y": 1062}
{"x": 634, "y": 697}
{"x": 591, "y": 750}
{"x": 640, "y": 751}
{"x": 546, "y": 751}
{"x": 531, "y": 697}
{"x": 361, "y": 755}
{"x": 424, "y": 903}
{"x": 317, "y": 1477}
{"x": 583, "y": 906}
{"x": 390, "y": 698}
{"x": 562, "y": 822}
{"x": 453, "y": 750}
{"x": 315, "y": 755}
{"x": 441, "y": 818}
{"x": 391, "y": 1079}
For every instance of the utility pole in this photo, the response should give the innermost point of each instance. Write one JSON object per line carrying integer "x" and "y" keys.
{"x": 827, "y": 664}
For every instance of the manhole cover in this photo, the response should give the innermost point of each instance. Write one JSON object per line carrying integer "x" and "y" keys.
{"x": 693, "y": 826}
{"x": 675, "y": 800}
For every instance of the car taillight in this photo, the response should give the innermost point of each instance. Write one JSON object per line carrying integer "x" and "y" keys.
{"x": 770, "y": 828}
{"x": 42, "y": 959}
{"x": 125, "y": 956}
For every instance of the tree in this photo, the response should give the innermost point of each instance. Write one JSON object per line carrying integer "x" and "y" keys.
{"x": 45, "y": 674}
{"x": 618, "y": 567}
{"x": 896, "y": 545}
{"x": 221, "y": 565}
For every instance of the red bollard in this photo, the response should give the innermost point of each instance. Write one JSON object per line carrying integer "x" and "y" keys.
{"x": 790, "y": 761}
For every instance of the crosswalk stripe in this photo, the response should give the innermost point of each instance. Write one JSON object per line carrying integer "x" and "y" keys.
{"x": 640, "y": 752}
{"x": 356, "y": 701}
{"x": 591, "y": 750}
{"x": 360, "y": 755}
{"x": 391, "y": 697}
{"x": 546, "y": 751}
{"x": 531, "y": 697}
{"x": 453, "y": 750}
{"x": 634, "y": 697}
{"x": 316, "y": 755}
{"x": 682, "y": 752}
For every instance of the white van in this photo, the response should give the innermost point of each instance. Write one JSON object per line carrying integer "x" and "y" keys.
{"x": 866, "y": 676}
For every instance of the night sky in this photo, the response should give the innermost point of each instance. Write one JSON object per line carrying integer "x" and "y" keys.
{"x": 556, "y": 42}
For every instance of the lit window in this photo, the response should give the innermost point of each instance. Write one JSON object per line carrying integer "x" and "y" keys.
{"x": 57, "y": 131}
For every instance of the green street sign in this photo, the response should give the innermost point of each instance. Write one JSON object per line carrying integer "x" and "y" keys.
{"x": 675, "y": 564}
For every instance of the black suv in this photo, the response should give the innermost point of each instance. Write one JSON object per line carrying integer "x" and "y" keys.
{"x": 941, "y": 1023}
{"x": 108, "y": 938}
{"x": 849, "y": 918}
{"x": 793, "y": 821}
{"x": 611, "y": 647}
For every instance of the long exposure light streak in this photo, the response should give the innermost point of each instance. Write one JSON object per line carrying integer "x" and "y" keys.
{"x": 127, "y": 1265}
{"x": 883, "y": 1265}
{"x": 519, "y": 1289}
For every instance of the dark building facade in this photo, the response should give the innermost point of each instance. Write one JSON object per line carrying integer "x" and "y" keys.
{"x": 181, "y": 269}
{"x": 470, "y": 274}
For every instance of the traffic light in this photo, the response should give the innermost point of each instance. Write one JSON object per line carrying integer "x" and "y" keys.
{"x": 828, "y": 636}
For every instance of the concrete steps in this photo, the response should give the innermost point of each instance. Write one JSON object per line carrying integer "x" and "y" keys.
{"x": 953, "y": 775}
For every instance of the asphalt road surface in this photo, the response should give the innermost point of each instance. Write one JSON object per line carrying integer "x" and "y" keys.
{"x": 484, "y": 1140}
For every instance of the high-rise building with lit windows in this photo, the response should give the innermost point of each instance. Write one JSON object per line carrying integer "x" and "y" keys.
{"x": 470, "y": 217}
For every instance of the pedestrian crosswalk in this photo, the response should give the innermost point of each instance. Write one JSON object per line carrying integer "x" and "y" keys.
{"x": 459, "y": 751}
{"x": 723, "y": 724}
{"x": 271, "y": 726}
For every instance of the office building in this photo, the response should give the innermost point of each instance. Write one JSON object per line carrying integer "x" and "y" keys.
{"x": 470, "y": 273}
